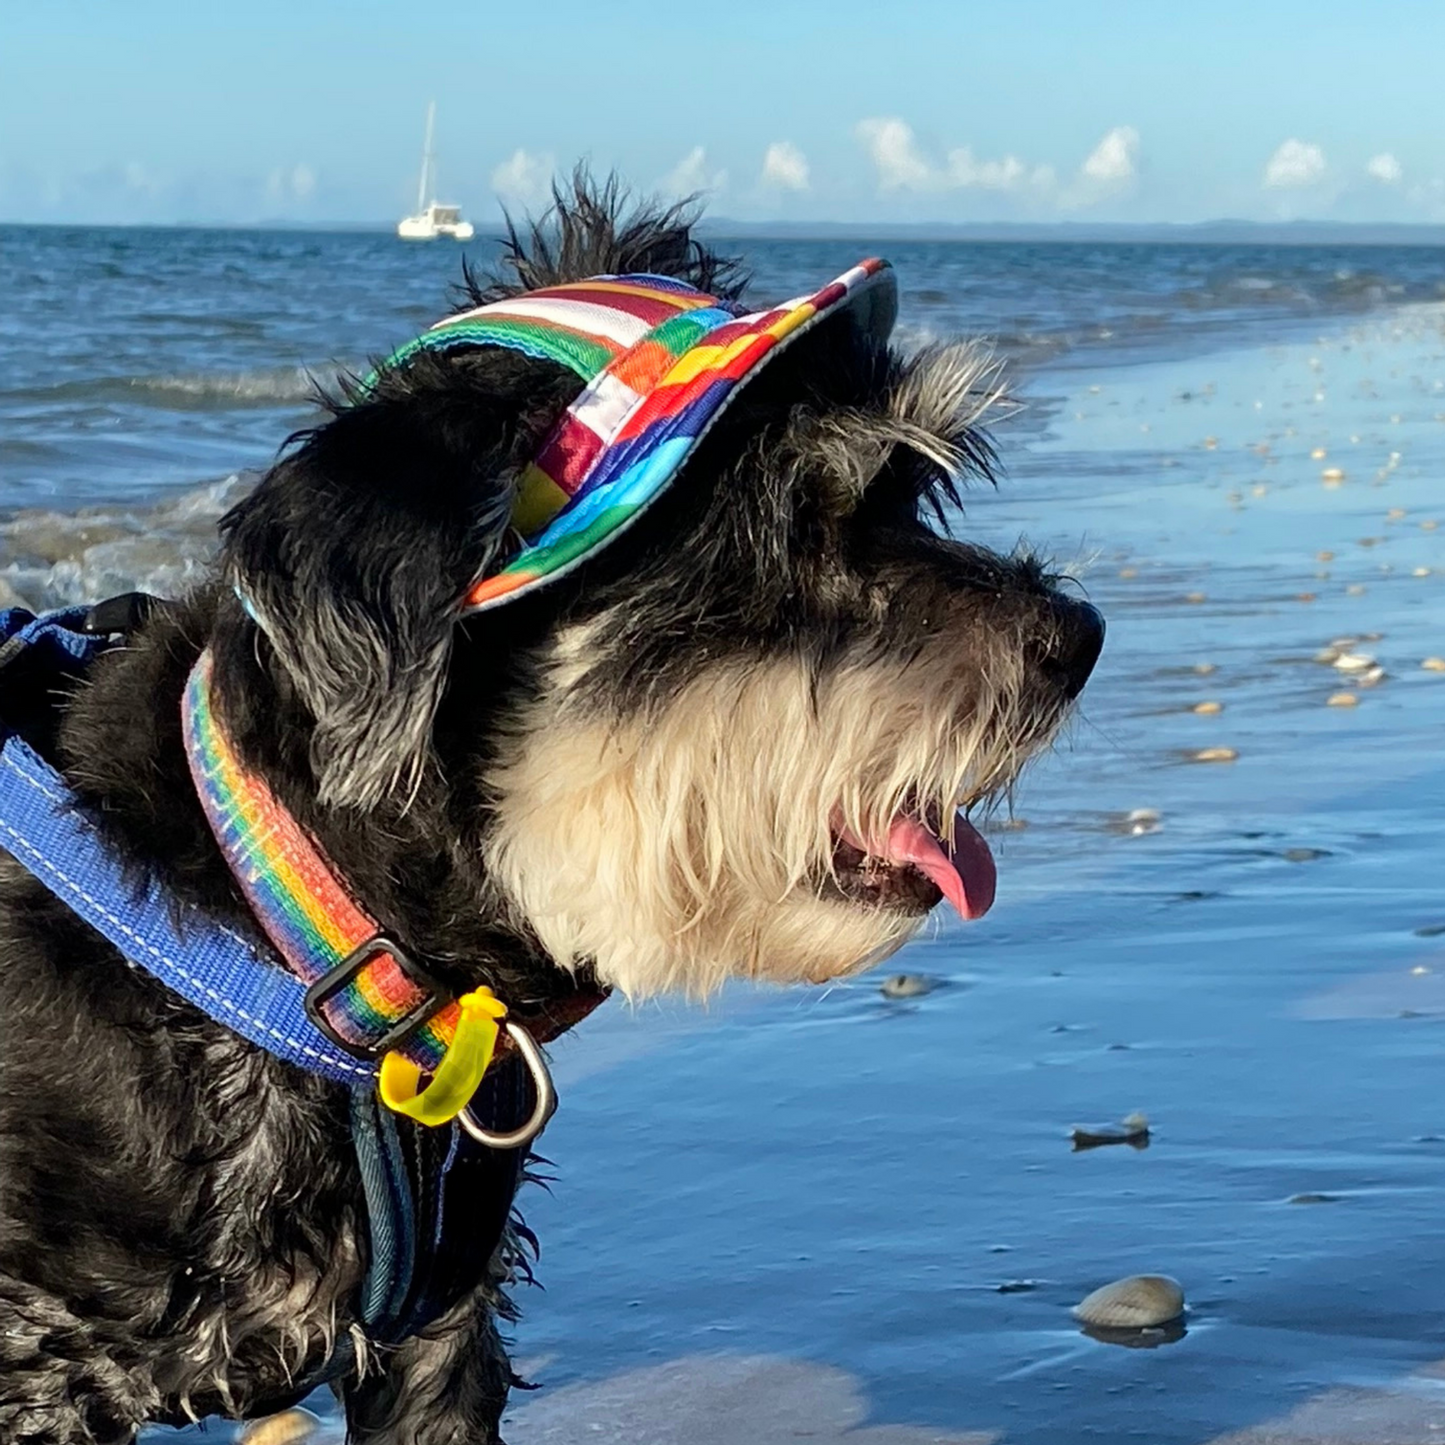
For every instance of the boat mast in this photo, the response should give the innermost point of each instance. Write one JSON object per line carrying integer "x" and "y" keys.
{"x": 426, "y": 157}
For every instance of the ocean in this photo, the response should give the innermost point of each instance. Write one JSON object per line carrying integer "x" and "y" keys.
{"x": 834, "y": 1214}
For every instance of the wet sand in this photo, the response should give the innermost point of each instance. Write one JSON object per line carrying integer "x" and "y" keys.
{"x": 839, "y": 1217}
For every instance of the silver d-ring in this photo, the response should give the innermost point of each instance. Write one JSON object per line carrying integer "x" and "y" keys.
{"x": 542, "y": 1110}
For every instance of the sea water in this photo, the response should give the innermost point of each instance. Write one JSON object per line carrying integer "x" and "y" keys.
{"x": 831, "y": 1212}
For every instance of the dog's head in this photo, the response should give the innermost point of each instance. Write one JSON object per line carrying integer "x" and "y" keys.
{"x": 738, "y": 739}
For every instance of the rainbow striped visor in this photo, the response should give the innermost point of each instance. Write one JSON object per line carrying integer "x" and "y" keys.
{"x": 661, "y": 363}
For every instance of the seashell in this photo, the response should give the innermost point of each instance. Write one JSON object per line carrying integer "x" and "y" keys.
{"x": 1210, "y": 443}
{"x": 1355, "y": 589}
{"x": 1128, "y": 573}
{"x": 1332, "y": 474}
{"x": 1141, "y": 1302}
{"x": 1318, "y": 455}
{"x": 1196, "y": 597}
{"x": 1259, "y": 489}
{"x": 1207, "y": 709}
{"x": 1341, "y": 699}
{"x": 1394, "y": 514}
{"x": 1325, "y": 556}
{"x": 1354, "y": 662}
{"x": 1205, "y": 668}
{"x": 1434, "y": 664}
{"x": 1372, "y": 677}
{"x": 290, "y": 1427}
{"x": 1429, "y": 525}
{"x": 907, "y": 985}
{"x": 1420, "y": 572}
{"x": 1215, "y": 755}
{"x": 1139, "y": 821}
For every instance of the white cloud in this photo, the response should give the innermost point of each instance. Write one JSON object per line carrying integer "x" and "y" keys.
{"x": 785, "y": 167}
{"x": 901, "y": 166}
{"x": 138, "y": 178}
{"x": 894, "y": 153}
{"x": 1115, "y": 159}
{"x": 296, "y": 183}
{"x": 1295, "y": 164}
{"x": 690, "y": 175}
{"x": 523, "y": 178}
{"x": 1385, "y": 168}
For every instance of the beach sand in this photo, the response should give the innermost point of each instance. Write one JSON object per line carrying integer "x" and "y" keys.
{"x": 835, "y": 1217}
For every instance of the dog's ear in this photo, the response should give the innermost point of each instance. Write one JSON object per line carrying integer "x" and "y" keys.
{"x": 353, "y": 553}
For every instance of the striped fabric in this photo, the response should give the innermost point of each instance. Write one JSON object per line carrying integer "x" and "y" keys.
{"x": 661, "y": 362}
{"x": 309, "y": 917}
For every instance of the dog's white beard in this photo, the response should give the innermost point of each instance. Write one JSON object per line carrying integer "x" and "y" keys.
{"x": 680, "y": 849}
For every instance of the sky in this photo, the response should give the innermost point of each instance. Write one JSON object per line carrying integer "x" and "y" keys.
{"x": 312, "y": 111}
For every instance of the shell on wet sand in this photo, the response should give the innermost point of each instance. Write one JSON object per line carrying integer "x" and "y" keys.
{"x": 1141, "y": 1302}
{"x": 907, "y": 985}
{"x": 289, "y": 1427}
{"x": 1215, "y": 755}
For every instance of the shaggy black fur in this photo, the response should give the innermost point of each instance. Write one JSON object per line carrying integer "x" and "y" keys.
{"x": 181, "y": 1224}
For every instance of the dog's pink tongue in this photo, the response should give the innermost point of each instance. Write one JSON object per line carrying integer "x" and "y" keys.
{"x": 967, "y": 879}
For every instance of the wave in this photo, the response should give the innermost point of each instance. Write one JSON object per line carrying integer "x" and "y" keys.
{"x": 56, "y": 559}
{"x": 285, "y": 386}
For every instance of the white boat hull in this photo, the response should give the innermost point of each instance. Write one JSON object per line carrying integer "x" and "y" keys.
{"x": 424, "y": 228}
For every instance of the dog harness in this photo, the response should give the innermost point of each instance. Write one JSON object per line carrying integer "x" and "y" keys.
{"x": 438, "y": 1198}
{"x": 661, "y": 362}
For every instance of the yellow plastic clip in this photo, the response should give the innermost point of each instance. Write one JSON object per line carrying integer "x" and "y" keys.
{"x": 459, "y": 1072}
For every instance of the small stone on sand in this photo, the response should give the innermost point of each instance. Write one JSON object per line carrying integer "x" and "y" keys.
{"x": 1332, "y": 474}
{"x": 1341, "y": 699}
{"x": 1318, "y": 455}
{"x": 1324, "y": 556}
{"x": 1215, "y": 755}
{"x": 1354, "y": 661}
{"x": 1207, "y": 708}
{"x": 1196, "y": 597}
{"x": 1434, "y": 664}
{"x": 1134, "y": 1129}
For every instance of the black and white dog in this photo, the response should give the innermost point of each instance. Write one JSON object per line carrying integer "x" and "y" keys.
{"x": 682, "y": 764}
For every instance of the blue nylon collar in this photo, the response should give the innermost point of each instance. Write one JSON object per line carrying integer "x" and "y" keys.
{"x": 235, "y": 979}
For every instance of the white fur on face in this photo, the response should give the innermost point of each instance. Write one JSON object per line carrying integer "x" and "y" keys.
{"x": 680, "y": 849}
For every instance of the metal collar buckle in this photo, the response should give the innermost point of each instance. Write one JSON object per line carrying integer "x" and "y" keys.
{"x": 320, "y": 993}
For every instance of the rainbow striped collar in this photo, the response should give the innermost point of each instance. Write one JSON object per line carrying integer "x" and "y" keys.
{"x": 363, "y": 992}
{"x": 661, "y": 362}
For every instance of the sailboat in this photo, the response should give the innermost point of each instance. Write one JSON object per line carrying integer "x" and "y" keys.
{"x": 432, "y": 219}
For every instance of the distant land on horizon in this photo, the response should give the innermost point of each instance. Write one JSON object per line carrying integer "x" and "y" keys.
{"x": 723, "y": 228}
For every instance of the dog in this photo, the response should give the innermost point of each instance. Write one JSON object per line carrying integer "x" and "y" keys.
{"x": 740, "y": 740}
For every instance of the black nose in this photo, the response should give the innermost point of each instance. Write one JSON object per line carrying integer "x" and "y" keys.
{"x": 1074, "y": 645}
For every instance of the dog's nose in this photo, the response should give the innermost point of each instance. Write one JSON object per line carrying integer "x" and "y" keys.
{"x": 1074, "y": 647}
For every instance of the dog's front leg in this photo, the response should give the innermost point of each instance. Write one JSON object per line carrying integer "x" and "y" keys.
{"x": 445, "y": 1386}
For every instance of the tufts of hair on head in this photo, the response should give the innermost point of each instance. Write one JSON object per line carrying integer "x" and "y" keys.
{"x": 595, "y": 228}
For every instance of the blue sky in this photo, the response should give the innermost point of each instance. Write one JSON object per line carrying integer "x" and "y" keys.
{"x": 158, "y": 110}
